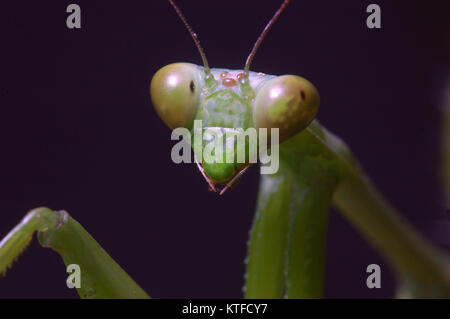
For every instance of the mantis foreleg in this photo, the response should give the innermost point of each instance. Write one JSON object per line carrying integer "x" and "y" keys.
{"x": 101, "y": 276}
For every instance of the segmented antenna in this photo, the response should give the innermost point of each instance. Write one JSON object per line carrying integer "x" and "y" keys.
{"x": 263, "y": 35}
{"x": 193, "y": 35}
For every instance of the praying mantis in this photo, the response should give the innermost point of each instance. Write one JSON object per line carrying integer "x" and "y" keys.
{"x": 286, "y": 246}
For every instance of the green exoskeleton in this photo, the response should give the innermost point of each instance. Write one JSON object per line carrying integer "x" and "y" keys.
{"x": 287, "y": 240}
{"x": 231, "y": 99}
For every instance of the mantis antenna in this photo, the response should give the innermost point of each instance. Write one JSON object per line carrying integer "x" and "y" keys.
{"x": 193, "y": 35}
{"x": 263, "y": 35}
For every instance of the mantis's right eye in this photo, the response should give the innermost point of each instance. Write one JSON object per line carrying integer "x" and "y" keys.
{"x": 175, "y": 94}
{"x": 286, "y": 102}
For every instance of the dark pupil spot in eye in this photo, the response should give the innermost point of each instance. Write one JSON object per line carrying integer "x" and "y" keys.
{"x": 303, "y": 94}
{"x": 192, "y": 86}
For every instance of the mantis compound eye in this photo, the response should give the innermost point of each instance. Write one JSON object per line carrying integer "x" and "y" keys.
{"x": 175, "y": 94}
{"x": 287, "y": 102}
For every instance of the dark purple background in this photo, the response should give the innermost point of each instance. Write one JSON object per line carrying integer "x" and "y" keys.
{"x": 78, "y": 131}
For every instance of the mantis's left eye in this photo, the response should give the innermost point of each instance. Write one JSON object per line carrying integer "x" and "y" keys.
{"x": 287, "y": 102}
{"x": 175, "y": 93}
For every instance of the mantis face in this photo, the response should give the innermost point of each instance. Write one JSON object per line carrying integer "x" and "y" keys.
{"x": 228, "y": 102}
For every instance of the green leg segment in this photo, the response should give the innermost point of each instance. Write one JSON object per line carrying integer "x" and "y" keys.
{"x": 101, "y": 276}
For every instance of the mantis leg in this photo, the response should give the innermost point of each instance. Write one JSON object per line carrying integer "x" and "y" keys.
{"x": 101, "y": 276}
{"x": 316, "y": 169}
{"x": 268, "y": 240}
{"x": 308, "y": 225}
{"x": 287, "y": 242}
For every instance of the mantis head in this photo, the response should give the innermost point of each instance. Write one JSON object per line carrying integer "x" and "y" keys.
{"x": 228, "y": 103}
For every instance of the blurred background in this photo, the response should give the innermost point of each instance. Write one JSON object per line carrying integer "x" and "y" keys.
{"x": 78, "y": 131}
